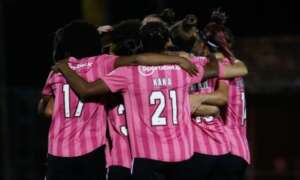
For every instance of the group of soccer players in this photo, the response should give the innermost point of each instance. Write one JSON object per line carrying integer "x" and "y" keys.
{"x": 150, "y": 99}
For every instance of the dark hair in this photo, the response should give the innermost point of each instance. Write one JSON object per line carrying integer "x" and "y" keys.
{"x": 125, "y": 36}
{"x": 183, "y": 33}
{"x": 78, "y": 39}
{"x": 168, "y": 16}
{"x": 154, "y": 36}
{"x": 218, "y": 34}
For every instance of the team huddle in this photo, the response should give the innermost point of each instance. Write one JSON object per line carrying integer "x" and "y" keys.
{"x": 150, "y": 99}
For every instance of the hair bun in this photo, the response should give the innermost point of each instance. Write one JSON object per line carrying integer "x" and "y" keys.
{"x": 190, "y": 20}
{"x": 218, "y": 16}
{"x": 168, "y": 15}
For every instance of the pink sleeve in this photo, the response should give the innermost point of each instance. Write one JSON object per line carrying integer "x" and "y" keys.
{"x": 117, "y": 80}
{"x": 108, "y": 63}
{"x": 47, "y": 90}
{"x": 221, "y": 67}
{"x": 199, "y": 77}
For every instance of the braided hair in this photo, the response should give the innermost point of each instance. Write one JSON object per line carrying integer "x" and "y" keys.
{"x": 217, "y": 35}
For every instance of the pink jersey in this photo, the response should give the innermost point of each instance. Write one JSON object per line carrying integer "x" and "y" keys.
{"x": 210, "y": 137}
{"x": 119, "y": 153}
{"x": 157, "y": 110}
{"x": 235, "y": 116}
{"x": 77, "y": 128}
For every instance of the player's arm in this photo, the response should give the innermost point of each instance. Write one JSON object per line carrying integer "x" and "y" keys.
{"x": 216, "y": 98}
{"x": 155, "y": 59}
{"x": 84, "y": 90}
{"x": 237, "y": 69}
{"x": 216, "y": 69}
{"x": 200, "y": 109}
{"x": 206, "y": 110}
{"x": 45, "y": 106}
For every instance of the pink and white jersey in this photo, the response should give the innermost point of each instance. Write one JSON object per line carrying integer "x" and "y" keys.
{"x": 77, "y": 128}
{"x": 235, "y": 118}
{"x": 210, "y": 137}
{"x": 119, "y": 153}
{"x": 157, "y": 110}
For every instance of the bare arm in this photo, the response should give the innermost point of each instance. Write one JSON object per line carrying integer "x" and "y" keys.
{"x": 206, "y": 110}
{"x": 236, "y": 69}
{"x": 45, "y": 106}
{"x": 155, "y": 59}
{"x": 216, "y": 98}
{"x": 84, "y": 90}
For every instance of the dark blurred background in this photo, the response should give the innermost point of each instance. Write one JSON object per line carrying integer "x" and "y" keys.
{"x": 267, "y": 39}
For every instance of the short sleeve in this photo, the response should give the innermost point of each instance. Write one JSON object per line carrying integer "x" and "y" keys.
{"x": 199, "y": 76}
{"x": 108, "y": 62}
{"x": 117, "y": 80}
{"x": 47, "y": 90}
{"x": 225, "y": 62}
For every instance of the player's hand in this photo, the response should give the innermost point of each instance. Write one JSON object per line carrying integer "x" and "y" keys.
{"x": 58, "y": 67}
{"x": 196, "y": 100}
{"x": 189, "y": 67}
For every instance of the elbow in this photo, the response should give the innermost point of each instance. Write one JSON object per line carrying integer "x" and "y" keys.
{"x": 83, "y": 97}
{"x": 243, "y": 67}
{"x": 244, "y": 71}
{"x": 48, "y": 113}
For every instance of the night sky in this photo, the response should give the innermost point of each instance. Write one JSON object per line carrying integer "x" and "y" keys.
{"x": 29, "y": 26}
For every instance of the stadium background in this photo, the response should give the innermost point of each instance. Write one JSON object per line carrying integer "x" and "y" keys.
{"x": 267, "y": 39}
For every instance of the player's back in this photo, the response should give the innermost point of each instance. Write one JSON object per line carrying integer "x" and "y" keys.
{"x": 236, "y": 108}
{"x": 235, "y": 119}
{"x": 210, "y": 137}
{"x": 157, "y": 109}
{"x": 77, "y": 128}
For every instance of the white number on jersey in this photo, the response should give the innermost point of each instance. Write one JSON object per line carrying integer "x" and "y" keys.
{"x": 244, "y": 117}
{"x": 121, "y": 109}
{"x": 66, "y": 90}
{"x": 156, "y": 119}
{"x": 207, "y": 119}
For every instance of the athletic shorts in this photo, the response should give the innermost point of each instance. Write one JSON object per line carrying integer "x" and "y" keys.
{"x": 87, "y": 167}
{"x": 230, "y": 167}
{"x": 200, "y": 166}
{"x": 118, "y": 173}
{"x": 147, "y": 169}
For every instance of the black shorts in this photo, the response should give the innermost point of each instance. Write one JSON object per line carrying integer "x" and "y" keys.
{"x": 230, "y": 167}
{"x": 118, "y": 173}
{"x": 87, "y": 167}
{"x": 200, "y": 166}
{"x": 147, "y": 169}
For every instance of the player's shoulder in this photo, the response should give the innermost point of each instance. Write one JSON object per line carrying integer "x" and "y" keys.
{"x": 54, "y": 77}
{"x": 105, "y": 57}
{"x": 120, "y": 71}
